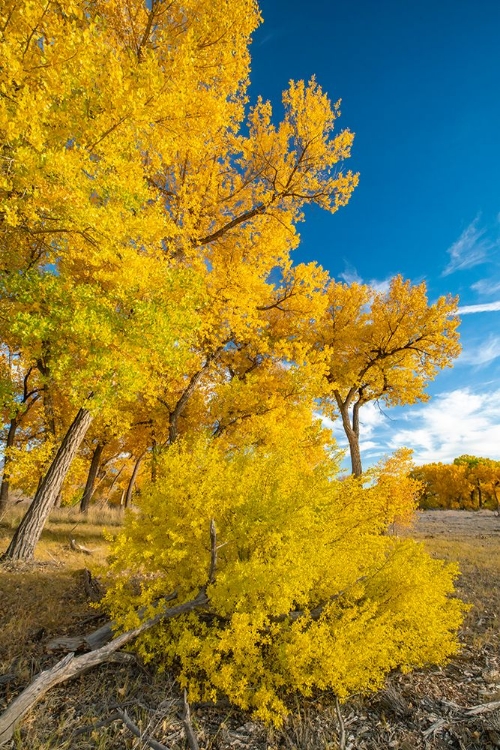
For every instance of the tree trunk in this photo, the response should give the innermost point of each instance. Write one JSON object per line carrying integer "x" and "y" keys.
{"x": 353, "y": 439}
{"x": 130, "y": 487}
{"x": 89, "y": 486}
{"x": 479, "y": 494}
{"x": 29, "y": 530}
{"x": 154, "y": 461}
{"x": 4, "y": 489}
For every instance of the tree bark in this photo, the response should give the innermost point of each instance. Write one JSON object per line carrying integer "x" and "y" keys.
{"x": 28, "y": 532}
{"x": 130, "y": 486}
{"x": 352, "y": 436}
{"x": 4, "y": 489}
{"x": 89, "y": 486}
{"x": 479, "y": 494}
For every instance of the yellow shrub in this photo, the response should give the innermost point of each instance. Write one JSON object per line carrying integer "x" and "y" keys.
{"x": 309, "y": 592}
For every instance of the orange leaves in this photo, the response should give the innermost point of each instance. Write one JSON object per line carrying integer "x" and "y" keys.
{"x": 469, "y": 482}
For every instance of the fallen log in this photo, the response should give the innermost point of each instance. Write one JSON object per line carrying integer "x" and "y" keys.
{"x": 71, "y": 666}
{"x": 94, "y": 640}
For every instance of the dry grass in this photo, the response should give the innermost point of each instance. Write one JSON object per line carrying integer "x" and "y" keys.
{"x": 45, "y": 600}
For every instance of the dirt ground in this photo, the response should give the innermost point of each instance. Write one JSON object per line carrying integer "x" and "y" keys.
{"x": 456, "y": 524}
{"x": 457, "y": 706}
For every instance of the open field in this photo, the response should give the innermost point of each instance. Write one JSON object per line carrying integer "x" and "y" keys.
{"x": 427, "y": 709}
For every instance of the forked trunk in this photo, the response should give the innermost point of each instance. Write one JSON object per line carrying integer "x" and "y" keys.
{"x": 29, "y": 530}
{"x": 89, "y": 486}
{"x": 353, "y": 438}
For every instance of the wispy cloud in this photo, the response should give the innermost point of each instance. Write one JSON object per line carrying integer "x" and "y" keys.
{"x": 454, "y": 423}
{"x": 351, "y": 276}
{"x": 486, "y": 287}
{"x": 471, "y": 248}
{"x": 479, "y": 308}
{"x": 482, "y": 354}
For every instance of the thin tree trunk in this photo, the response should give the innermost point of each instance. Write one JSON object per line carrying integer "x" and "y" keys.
{"x": 4, "y": 489}
{"x": 110, "y": 488}
{"x": 28, "y": 532}
{"x": 89, "y": 486}
{"x": 130, "y": 487}
{"x": 154, "y": 461}
{"x": 48, "y": 403}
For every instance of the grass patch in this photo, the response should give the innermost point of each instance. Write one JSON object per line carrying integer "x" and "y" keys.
{"x": 44, "y": 599}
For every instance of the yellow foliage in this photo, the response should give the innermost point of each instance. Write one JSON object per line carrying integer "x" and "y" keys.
{"x": 309, "y": 592}
{"x": 470, "y": 482}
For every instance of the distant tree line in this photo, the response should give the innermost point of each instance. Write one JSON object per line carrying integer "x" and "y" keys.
{"x": 469, "y": 483}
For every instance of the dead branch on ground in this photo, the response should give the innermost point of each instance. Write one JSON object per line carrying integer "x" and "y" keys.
{"x": 71, "y": 666}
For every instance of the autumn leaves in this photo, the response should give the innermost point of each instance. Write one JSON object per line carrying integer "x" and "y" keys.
{"x": 151, "y": 312}
{"x": 147, "y": 235}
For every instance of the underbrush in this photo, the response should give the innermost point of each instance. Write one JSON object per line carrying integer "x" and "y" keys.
{"x": 425, "y": 709}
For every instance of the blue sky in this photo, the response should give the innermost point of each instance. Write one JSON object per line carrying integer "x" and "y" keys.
{"x": 419, "y": 84}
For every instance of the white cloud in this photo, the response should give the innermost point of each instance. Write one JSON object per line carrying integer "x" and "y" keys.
{"x": 486, "y": 287}
{"x": 371, "y": 418}
{"x": 485, "y": 307}
{"x": 471, "y": 248}
{"x": 454, "y": 423}
{"x": 381, "y": 287}
{"x": 351, "y": 276}
{"x": 482, "y": 354}
{"x": 328, "y": 423}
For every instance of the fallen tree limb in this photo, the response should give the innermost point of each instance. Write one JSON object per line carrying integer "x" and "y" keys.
{"x": 94, "y": 640}
{"x": 71, "y": 665}
{"x": 483, "y": 708}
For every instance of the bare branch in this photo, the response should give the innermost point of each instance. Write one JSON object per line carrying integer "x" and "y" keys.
{"x": 188, "y": 727}
{"x": 134, "y": 729}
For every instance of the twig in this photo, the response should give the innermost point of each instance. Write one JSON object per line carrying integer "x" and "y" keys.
{"x": 188, "y": 727}
{"x": 97, "y": 724}
{"x": 79, "y": 548}
{"x": 137, "y": 732}
{"x": 439, "y": 724}
{"x": 483, "y": 708}
{"x": 340, "y": 719}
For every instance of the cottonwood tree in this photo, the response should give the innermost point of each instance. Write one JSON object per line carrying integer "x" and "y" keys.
{"x": 470, "y": 482}
{"x": 129, "y": 205}
{"x": 382, "y": 347}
